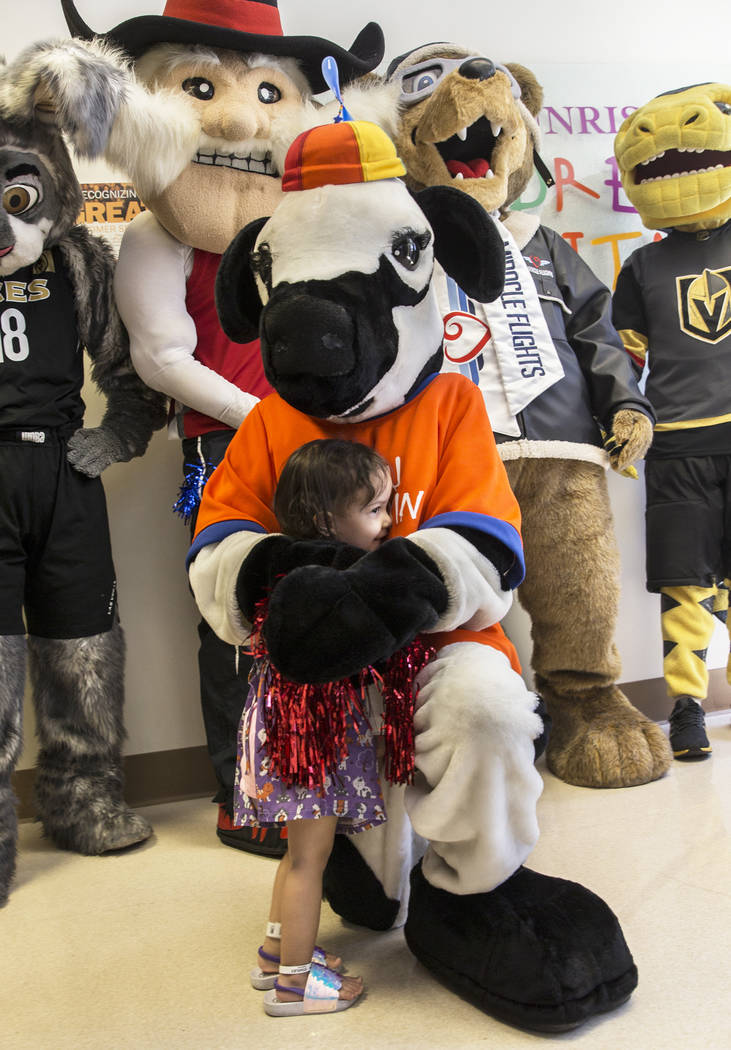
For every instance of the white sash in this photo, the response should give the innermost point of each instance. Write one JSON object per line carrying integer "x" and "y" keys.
{"x": 505, "y": 346}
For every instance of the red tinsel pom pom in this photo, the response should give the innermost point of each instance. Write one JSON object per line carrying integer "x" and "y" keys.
{"x": 307, "y": 725}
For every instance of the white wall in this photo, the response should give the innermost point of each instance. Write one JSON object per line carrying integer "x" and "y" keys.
{"x": 578, "y": 45}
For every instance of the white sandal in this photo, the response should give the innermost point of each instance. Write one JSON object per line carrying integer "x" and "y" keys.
{"x": 319, "y": 996}
{"x": 263, "y": 980}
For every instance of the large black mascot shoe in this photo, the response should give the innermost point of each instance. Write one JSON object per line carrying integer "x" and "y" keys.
{"x": 265, "y": 842}
{"x": 537, "y": 952}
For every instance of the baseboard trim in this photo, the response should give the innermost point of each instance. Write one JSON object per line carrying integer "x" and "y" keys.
{"x": 172, "y": 776}
{"x": 651, "y": 696}
{"x": 149, "y": 779}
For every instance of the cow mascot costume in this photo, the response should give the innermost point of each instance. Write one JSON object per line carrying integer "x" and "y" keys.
{"x": 553, "y": 375}
{"x": 55, "y": 558}
{"x": 672, "y": 306}
{"x": 213, "y": 84}
{"x": 351, "y": 339}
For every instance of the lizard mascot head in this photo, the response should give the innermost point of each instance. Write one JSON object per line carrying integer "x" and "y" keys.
{"x": 467, "y": 122}
{"x": 221, "y": 85}
{"x": 674, "y": 157}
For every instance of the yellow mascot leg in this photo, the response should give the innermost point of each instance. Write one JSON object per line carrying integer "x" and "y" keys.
{"x": 571, "y": 589}
{"x": 688, "y": 622}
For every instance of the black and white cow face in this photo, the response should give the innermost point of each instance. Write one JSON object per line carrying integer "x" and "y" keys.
{"x": 350, "y": 324}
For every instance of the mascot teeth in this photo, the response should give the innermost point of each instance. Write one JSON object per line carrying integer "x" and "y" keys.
{"x": 462, "y": 134}
{"x": 670, "y": 164}
{"x": 239, "y": 161}
{"x": 496, "y": 129}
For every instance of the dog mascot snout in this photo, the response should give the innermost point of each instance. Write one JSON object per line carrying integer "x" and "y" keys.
{"x": 536, "y": 951}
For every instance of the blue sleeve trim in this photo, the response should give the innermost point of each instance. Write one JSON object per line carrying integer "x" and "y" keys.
{"x": 495, "y": 527}
{"x": 219, "y": 531}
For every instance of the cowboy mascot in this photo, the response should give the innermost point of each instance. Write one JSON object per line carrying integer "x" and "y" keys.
{"x": 215, "y": 85}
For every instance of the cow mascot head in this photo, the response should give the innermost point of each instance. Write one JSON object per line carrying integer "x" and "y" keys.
{"x": 339, "y": 284}
{"x": 672, "y": 307}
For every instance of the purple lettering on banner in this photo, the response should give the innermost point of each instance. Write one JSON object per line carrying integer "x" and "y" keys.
{"x": 611, "y": 110}
{"x": 587, "y": 122}
{"x": 615, "y": 184}
{"x": 549, "y": 112}
{"x": 589, "y": 119}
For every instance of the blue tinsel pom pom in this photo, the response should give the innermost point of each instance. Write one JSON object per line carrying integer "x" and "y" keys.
{"x": 189, "y": 496}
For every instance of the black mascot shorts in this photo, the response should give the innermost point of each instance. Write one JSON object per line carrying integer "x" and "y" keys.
{"x": 688, "y": 521}
{"x": 55, "y": 551}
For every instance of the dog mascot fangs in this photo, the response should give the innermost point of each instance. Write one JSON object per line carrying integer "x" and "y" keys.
{"x": 351, "y": 339}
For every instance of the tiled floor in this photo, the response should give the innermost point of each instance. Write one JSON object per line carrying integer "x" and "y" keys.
{"x": 151, "y": 949}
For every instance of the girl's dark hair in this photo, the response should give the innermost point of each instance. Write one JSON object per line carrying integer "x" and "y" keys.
{"x": 323, "y": 477}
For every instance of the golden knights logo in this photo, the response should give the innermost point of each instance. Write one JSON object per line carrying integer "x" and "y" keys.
{"x": 704, "y": 304}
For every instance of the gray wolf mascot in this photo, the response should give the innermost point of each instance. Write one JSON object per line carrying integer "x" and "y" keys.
{"x": 57, "y": 583}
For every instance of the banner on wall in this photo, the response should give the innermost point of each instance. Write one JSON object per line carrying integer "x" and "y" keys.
{"x": 584, "y": 107}
{"x": 108, "y": 207}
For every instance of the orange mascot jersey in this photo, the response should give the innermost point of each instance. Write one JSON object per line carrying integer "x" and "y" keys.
{"x": 444, "y": 463}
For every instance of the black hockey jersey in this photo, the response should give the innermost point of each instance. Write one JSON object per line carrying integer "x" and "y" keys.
{"x": 672, "y": 307}
{"x": 41, "y": 361}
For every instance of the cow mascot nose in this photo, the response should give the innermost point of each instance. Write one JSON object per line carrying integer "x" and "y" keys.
{"x": 322, "y": 343}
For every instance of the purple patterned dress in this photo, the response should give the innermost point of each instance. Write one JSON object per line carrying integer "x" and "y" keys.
{"x": 353, "y": 794}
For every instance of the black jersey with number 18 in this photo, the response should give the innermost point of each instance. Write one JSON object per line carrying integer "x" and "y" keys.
{"x": 41, "y": 361}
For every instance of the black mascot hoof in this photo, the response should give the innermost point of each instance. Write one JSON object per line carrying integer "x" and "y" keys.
{"x": 264, "y": 842}
{"x": 537, "y": 952}
{"x": 353, "y": 891}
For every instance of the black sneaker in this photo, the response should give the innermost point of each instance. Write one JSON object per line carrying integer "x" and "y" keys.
{"x": 688, "y": 738}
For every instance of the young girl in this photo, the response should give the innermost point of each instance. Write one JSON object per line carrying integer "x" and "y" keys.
{"x": 339, "y": 490}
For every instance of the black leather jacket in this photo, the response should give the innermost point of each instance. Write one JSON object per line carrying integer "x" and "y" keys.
{"x": 598, "y": 378}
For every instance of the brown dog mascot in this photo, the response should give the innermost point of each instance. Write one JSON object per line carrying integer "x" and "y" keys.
{"x": 551, "y": 369}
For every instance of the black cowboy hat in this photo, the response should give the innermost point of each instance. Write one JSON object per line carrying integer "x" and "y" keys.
{"x": 237, "y": 25}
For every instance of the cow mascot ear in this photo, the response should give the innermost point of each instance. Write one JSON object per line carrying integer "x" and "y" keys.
{"x": 238, "y": 301}
{"x": 467, "y": 243}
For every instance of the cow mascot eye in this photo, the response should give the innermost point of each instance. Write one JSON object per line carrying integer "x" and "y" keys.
{"x": 261, "y": 264}
{"x": 407, "y": 248}
{"x": 199, "y": 87}
{"x": 20, "y": 198}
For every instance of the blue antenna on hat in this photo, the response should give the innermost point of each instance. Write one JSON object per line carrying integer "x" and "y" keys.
{"x": 332, "y": 79}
